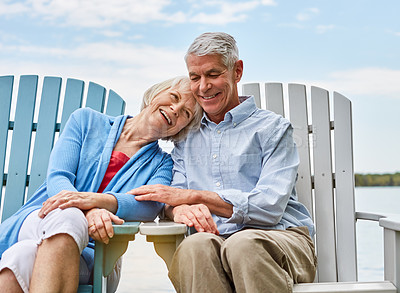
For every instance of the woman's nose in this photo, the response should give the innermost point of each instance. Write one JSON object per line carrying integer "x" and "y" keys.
{"x": 176, "y": 108}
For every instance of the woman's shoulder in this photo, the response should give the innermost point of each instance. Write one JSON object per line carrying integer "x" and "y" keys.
{"x": 86, "y": 112}
{"x": 88, "y": 116}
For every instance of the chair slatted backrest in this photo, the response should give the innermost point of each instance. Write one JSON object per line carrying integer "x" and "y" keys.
{"x": 16, "y": 144}
{"x": 325, "y": 182}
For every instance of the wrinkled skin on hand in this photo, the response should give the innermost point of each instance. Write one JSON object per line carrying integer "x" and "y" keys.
{"x": 100, "y": 224}
{"x": 66, "y": 199}
{"x": 197, "y": 216}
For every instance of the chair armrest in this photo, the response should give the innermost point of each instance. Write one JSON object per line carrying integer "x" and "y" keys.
{"x": 390, "y": 223}
{"x": 369, "y": 216}
{"x": 391, "y": 243}
{"x": 162, "y": 228}
{"x": 166, "y": 237}
{"x": 127, "y": 228}
{"x": 106, "y": 255}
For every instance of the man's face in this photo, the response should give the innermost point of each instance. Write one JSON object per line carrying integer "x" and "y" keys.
{"x": 213, "y": 85}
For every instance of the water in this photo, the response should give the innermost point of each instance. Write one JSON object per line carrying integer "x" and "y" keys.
{"x": 383, "y": 200}
{"x": 144, "y": 271}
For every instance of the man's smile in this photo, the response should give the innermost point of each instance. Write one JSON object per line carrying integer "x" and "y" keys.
{"x": 209, "y": 97}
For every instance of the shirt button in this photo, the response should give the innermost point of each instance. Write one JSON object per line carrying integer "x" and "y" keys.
{"x": 234, "y": 124}
{"x": 214, "y": 156}
{"x": 218, "y": 184}
{"x": 219, "y": 131}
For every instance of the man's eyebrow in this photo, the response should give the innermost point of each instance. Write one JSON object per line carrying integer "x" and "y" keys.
{"x": 213, "y": 70}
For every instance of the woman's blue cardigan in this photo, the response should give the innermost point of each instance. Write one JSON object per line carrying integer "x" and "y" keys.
{"x": 79, "y": 161}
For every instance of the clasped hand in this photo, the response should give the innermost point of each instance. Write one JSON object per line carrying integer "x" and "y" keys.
{"x": 180, "y": 201}
{"x": 99, "y": 220}
{"x": 197, "y": 216}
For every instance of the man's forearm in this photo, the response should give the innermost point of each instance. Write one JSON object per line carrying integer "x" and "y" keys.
{"x": 176, "y": 197}
{"x": 212, "y": 200}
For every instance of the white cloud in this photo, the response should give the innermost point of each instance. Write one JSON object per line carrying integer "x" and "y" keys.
{"x": 111, "y": 33}
{"x": 379, "y": 82}
{"x": 226, "y": 13}
{"x": 307, "y": 14}
{"x": 129, "y": 70}
{"x": 7, "y": 8}
{"x": 269, "y": 3}
{"x": 321, "y": 29}
{"x": 103, "y": 13}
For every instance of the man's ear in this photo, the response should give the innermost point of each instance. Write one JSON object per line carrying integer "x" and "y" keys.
{"x": 238, "y": 69}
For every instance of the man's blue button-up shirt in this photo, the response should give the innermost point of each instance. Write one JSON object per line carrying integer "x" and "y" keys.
{"x": 250, "y": 160}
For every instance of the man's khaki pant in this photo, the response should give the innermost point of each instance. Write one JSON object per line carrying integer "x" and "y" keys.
{"x": 249, "y": 261}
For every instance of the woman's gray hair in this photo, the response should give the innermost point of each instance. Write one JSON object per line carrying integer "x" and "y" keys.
{"x": 182, "y": 84}
{"x": 215, "y": 43}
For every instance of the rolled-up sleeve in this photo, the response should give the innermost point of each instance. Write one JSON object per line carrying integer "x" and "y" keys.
{"x": 130, "y": 209}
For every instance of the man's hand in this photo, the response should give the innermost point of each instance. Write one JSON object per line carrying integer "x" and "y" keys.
{"x": 197, "y": 216}
{"x": 100, "y": 224}
{"x": 162, "y": 193}
{"x": 176, "y": 196}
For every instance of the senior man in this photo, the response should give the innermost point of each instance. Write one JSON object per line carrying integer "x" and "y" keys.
{"x": 234, "y": 180}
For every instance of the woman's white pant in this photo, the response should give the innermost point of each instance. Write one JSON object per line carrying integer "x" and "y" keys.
{"x": 20, "y": 257}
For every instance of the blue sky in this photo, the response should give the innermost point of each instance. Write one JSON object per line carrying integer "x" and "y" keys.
{"x": 351, "y": 47}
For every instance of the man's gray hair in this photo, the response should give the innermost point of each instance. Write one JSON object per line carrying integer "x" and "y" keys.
{"x": 215, "y": 43}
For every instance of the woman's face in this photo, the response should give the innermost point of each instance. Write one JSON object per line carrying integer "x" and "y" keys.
{"x": 171, "y": 110}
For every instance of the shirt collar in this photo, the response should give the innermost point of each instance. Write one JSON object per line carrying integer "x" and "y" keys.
{"x": 238, "y": 114}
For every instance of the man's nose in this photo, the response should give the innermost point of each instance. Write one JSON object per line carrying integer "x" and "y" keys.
{"x": 204, "y": 85}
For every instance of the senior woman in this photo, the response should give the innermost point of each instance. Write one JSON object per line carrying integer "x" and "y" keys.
{"x": 45, "y": 245}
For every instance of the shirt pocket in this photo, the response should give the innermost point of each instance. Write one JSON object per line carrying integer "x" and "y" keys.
{"x": 242, "y": 170}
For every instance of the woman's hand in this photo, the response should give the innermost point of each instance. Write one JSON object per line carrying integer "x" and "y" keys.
{"x": 197, "y": 215}
{"x": 66, "y": 199}
{"x": 100, "y": 224}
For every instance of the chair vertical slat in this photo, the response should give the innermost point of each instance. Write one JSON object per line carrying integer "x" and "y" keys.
{"x": 252, "y": 89}
{"x": 299, "y": 119}
{"x": 274, "y": 98}
{"x": 344, "y": 184}
{"x": 20, "y": 146}
{"x": 323, "y": 183}
{"x": 96, "y": 97}
{"x": 72, "y": 100}
{"x": 6, "y": 87}
{"x": 45, "y": 132}
{"x": 115, "y": 104}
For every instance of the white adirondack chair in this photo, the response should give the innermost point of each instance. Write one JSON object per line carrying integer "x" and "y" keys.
{"x": 325, "y": 185}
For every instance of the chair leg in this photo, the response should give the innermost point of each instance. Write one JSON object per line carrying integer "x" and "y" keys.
{"x": 165, "y": 245}
{"x": 392, "y": 256}
{"x": 105, "y": 258}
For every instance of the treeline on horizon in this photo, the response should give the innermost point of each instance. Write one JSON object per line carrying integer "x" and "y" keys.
{"x": 377, "y": 179}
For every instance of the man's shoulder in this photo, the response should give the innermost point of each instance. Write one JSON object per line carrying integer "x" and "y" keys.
{"x": 267, "y": 118}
